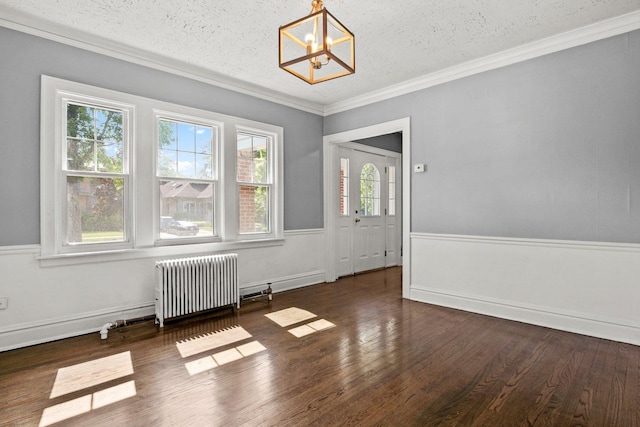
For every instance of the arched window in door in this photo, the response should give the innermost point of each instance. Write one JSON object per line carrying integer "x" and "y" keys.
{"x": 369, "y": 190}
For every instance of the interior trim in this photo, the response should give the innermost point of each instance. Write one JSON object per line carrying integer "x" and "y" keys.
{"x": 15, "y": 20}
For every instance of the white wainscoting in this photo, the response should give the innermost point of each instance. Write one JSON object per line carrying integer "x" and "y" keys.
{"x": 50, "y": 303}
{"x": 583, "y": 287}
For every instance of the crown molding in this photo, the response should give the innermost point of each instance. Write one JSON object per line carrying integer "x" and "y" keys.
{"x": 28, "y": 24}
{"x": 18, "y": 21}
{"x": 590, "y": 33}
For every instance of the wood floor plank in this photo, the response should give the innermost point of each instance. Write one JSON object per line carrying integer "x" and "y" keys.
{"x": 386, "y": 362}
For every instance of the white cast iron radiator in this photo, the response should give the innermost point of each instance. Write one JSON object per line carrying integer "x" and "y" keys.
{"x": 189, "y": 285}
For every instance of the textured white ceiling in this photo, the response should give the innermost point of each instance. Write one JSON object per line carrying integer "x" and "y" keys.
{"x": 396, "y": 40}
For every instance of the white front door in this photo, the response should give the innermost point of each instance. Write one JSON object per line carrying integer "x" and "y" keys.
{"x": 367, "y": 228}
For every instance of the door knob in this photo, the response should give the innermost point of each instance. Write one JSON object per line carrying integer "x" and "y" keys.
{"x": 357, "y": 219}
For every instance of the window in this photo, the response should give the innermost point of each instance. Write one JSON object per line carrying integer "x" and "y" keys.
{"x": 370, "y": 190}
{"x": 186, "y": 171}
{"x": 344, "y": 186}
{"x": 86, "y": 179}
{"x": 253, "y": 170}
{"x": 392, "y": 190}
{"x": 122, "y": 172}
{"x": 95, "y": 174}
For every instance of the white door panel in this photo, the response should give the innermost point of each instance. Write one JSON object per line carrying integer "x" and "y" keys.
{"x": 369, "y": 197}
{"x": 392, "y": 238}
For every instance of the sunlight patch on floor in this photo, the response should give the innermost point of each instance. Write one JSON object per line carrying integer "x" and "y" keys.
{"x": 114, "y": 394}
{"x": 223, "y": 357}
{"x": 311, "y": 328}
{"x": 84, "y": 404}
{"x": 66, "y": 410}
{"x": 290, "y": 316}
{"x": 211, "y": 341}
{"x": 85, "y": 375}
{"x": 88, "y": 374}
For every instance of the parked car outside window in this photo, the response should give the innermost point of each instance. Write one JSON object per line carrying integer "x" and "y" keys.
{"x": 183, "y": 228}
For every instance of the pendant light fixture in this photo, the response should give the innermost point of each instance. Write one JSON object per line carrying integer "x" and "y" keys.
{"x": 318, "y": 47}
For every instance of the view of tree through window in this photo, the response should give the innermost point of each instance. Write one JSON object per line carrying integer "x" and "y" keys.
{"x": 120, "y": 173}
{"x": 369, "y": 190}
{"x": 95, "y": 174}
{"x": 186, "y": 168}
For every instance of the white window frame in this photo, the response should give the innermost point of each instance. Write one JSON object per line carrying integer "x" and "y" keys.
{"x": 204, "y": 119}
{"x": 54, "y": 171}
{"x": 271, "y": 137}
{"x": 142, "y": 200}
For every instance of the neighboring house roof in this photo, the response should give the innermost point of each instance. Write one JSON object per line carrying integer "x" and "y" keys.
{"x": 186, "y": 190}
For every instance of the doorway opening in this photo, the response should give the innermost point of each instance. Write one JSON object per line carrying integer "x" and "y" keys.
{"x": 332, "y": 198}
{"x": 369, "y": 214}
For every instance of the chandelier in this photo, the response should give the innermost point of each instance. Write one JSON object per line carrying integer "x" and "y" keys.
{"x": 318, "y": 47}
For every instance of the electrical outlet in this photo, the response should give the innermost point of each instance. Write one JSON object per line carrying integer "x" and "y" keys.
{"x": 4, "y": 303}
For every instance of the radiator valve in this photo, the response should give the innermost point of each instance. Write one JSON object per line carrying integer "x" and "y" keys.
{"x": 265, "y": 293}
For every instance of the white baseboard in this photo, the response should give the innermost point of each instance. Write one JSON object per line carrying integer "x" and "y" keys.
{"x": 570, "y": 322}
{"x": 589, "y": 288}
{"x": 27, "y": 334}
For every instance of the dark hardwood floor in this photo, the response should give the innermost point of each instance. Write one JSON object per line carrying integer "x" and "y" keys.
{"x": 387, "y": 361}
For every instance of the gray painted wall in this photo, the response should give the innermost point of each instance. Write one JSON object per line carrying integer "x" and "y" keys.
{"x": 548, "y": 148}
{"x": 26, "y": 57}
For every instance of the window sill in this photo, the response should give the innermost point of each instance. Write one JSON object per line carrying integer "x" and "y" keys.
{"x": 159, "y": 252}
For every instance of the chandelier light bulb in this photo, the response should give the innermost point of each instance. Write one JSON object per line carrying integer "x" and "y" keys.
{"x": 309, "y": 38}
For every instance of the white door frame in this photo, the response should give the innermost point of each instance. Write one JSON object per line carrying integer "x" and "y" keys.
{"x": 331, "y": 196}
{"x": 379, "y": 154}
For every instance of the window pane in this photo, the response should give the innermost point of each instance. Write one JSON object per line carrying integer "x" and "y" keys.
{"x": 167, "y": 135}
{"x": 204, "y": 140}
{"x": 80, "y": 154}
{"x": 186, "y": 137}
{"x": 204, "y": 166}
{"x": 260, "y": 170}
{"x": 392, "y": 190}
{"x": 252, "y": 161}
{"x": 80, "y": 121}
{"x": 95, "y": 210}
{"x": 370, "y": 190}
{"x": 94, "y": 139}
{"x": 186, "y": 164}
{"x": 344, "y": 186}
{"x": 108, "y": 125}
{"x": 185, "y": 150}
{"x": 186, "y": 209}
{"x": 167, "y": 163}
{"x": 254, "y": 209}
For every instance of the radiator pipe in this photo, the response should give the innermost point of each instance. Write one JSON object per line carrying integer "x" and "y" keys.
{"x": 104, "y": 332}
{"x": 267, "y": 292}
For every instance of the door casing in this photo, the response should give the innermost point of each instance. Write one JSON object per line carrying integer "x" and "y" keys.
{"x": 330, "y": 174}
